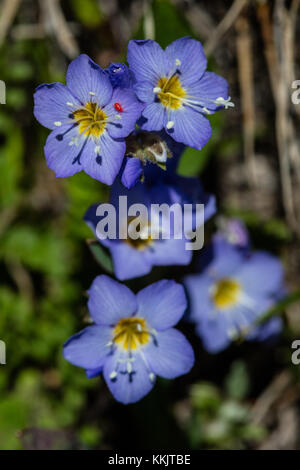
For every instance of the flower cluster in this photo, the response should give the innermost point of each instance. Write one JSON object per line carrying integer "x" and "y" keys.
{"x": 127, "y": 127}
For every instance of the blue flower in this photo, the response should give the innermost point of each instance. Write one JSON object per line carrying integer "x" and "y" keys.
{"x": 89, "y": 121}
{"x": 120, "y": 75}
{"x": 232, "y": 292}
{"x": 133, "y": 339}
{"x": 133, "y": 258}
{"x": 235, "y": 232}
{"x": 176, "y": 88}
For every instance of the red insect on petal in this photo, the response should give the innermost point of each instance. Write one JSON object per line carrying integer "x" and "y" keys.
{"x": 118, "y": 107}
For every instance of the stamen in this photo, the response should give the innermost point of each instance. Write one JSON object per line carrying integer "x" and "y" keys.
{"x": 170, "y": 124}
{"x": 113, "y": 374}
{"x": 225, "y": 102}
{"x": 97, "y": 150}
{"x": 69, "y": 103}
{"x": 156, "y": 89}
{"x": 92, "y": 93}
{"x": 129, "y": 367}
{"x": 178, "y": 62}
{"x": 232, "y": 332}
{"x": 151, "y": 377}
{"x": 118, "y": 116}
{"x": 57, "y": 123}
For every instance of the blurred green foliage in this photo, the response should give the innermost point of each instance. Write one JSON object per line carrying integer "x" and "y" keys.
{"x": 222, "y": 421}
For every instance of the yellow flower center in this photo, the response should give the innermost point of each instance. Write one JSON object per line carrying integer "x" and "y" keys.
{"x": 225, "y": 293}
{"x": 91, "y": 119}
{"x": 130, "y": 333}
{"x": 171, "y": 92}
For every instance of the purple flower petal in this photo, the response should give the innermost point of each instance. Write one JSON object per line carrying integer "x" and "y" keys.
{"x": 162, "y": 304}
{"x": 190, "y": 127}
{"x": 106, "y": 166}
{"x": 50, "y": 104}
{"x": 88, "y": 348}
{"x": 214, "y": 334}
{"x": 131, "y": 172}
{"x": 171, "y": 355}
{"x": 191, "y": 56}
{"x": 131, "y": 111}
{"x": 262, "y": 274}
{"x": 64, "y": 159}
{"x": 110, "y": 301}
{"x": 169, "y": 252}
{"x": 128, "y": 388}
{"x": 128, "y": 262}
{"x": 91, "y": 373}
{"x": 147, "y": 60}
{"x": 153, "y": 117}
{"x": 144, "y": 91}
{"x": 209, "y": 88}
{"x": 198, "y": 290}
{"x": 88, "y": 82}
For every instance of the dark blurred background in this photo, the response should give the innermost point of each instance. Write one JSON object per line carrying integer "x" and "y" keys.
{"x": 245, "y": 397}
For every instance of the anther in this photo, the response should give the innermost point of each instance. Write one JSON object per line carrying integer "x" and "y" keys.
{"x": 113, "y": 374}
{"x": 92, "y": 93}
{"x": 170, "y": 124}
{"x": 156, "y": 89}
{"x": 178, "y": 62}
{"x": 225, "y": 102}
{"x": 118, "y": 116}
{"x": 129, "y": 367}
{"x": 69, "y": 103}
{"x": 97, "y": 150}
{"x": 57, "y": 123}
{"x": 151, "y": 377}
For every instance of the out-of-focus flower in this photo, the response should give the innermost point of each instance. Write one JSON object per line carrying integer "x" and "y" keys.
{"x": 232, "y": 292}
{"x": 235, "y": 231}
{"x": 136, "y": 257}
{"x": 176, "y": 88}
{"x": 133, "y": 339}
{"x": 89, "y": 121}
{"x": 120, "y": 75}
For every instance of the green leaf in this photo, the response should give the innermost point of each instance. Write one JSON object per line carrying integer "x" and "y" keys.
{"x": 237, "y": 381}
{"x": 11, "y": 165}
{"x": 205, "y": 396}
{"x": 88, "y": 14}
{"x": 170, "y": 24}
{"x": 101, "y": 255}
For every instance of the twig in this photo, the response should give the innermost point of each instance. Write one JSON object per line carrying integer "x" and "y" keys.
{"x": 276, "y": 42}
{"x": 282, "y": 100}
{"x": 226, "y": 23}
{"x": 56, "y": 24}
{"x": 245, "y": 70}
{"x": 199, "y": 19}
{"x": 149, "y": 25}
{"x": 8, "y": 13}
{"x": 264, "y": 403}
